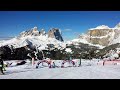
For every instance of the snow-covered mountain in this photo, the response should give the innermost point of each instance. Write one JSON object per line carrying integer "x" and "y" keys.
{"x": 33, "y": 37}
{"x": 101, "y": 35}
{"x": 100, "y": 27}
{"x": 52, "y": 33}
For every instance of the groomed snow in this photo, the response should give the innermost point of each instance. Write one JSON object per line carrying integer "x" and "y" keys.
{"x": 88, "y": 70}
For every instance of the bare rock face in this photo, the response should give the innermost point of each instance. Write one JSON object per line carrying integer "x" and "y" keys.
{"x": 42, "y": 32}
{"x": 98, "y": 36}
{"x": 55, "y": 33}
{"x": 33, "y": 32}
{"x": 99, "y": 32}
{"x": 103, "y": 35}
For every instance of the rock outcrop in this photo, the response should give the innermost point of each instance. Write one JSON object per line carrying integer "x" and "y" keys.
{"x": 55, "y": 33}
{"x": 52, "y": 33}
{"x": 103, "y": 35}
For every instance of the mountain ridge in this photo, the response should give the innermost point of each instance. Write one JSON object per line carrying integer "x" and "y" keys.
{"x": 37, "y": 38}
{"x": 102, "y": 35}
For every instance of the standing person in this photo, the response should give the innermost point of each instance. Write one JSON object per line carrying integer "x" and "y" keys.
{"x": 79, "y": 63}
{"x": 1, "y": 65}
{"x": 103, "y": 63}
{"x": 4, "y": 67}
{"x": 33, "y": 58}
{"x": 53, "y": 64}
{"x": 33, "y": 61}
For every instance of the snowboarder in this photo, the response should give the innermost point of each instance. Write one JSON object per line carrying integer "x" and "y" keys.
{"x": 1, "y": 65}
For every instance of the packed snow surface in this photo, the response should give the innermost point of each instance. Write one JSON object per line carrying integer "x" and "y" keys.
{"x": 88, "y": 70}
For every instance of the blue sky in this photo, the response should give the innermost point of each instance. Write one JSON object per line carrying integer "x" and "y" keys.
{"x": 72, "y": 23}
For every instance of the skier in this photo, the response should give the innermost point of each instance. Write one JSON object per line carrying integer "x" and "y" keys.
{"x": 103, "y": 63}
{"x": 79, "y": 63}
{"x": 1, "y": 65}
{"x": 53, "y": 64}
{"x": 4, "y": 67}
{"x": 33, "y": 58}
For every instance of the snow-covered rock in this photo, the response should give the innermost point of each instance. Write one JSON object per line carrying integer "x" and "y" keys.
{"x": 101, "y": 35}
{"x": 101, "y": 27}
{"x": 36, "y": 38}
{"x": 68, "y": 50}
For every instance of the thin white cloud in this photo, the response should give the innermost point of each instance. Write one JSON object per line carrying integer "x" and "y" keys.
{"x": 67, "y": 30}
{"x": 76, "y": 33}
{"x": 5, "y": 38}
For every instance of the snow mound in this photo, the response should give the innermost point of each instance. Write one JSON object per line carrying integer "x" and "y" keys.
{"x": 101, "y": 27}
{"x": 80, "y": 40}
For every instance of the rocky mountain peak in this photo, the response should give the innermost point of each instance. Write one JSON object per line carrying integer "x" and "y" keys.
{"x": 52, "y": 33}
{"x": 42, "y": 32}
{"x": 101, "y": 35}
{"x": 32, "y": 32}
{"x": 55, "y": 33}
{"x": 35, "y": 28}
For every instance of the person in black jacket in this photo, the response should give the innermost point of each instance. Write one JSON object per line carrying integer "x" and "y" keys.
{"x": 1, "y": 65}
